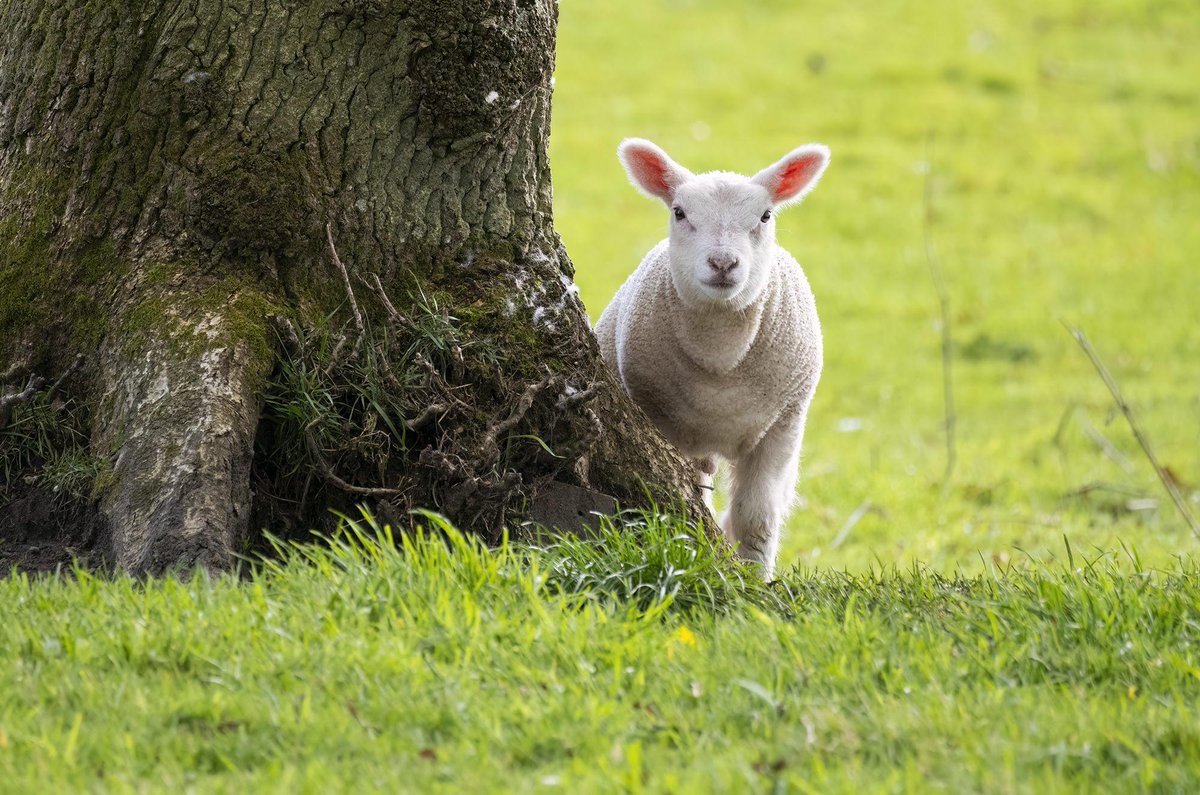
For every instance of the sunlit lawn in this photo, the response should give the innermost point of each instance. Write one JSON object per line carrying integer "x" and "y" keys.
{"x": 647, "y": 664}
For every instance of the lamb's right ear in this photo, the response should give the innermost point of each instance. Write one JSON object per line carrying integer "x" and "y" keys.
{"x": 650, "y": 170}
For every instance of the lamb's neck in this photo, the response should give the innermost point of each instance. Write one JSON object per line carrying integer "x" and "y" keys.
{"x": 716, "y": 338}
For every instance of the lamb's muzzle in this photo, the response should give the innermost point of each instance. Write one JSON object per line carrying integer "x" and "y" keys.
{"x": 716, "y": 333}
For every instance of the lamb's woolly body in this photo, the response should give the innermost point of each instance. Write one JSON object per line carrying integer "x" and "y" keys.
{"x": 714, "y": 380}
{"x": 716, "y": 335}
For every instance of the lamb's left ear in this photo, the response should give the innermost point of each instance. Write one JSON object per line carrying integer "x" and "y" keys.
{"x": 795, "y": 174}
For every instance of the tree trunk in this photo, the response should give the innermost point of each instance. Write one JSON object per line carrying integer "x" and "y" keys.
{"x": 183, "y": 185}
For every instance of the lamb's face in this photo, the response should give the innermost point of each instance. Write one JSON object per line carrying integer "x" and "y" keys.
{"x": 722, "y": 225}
{"x": 722, "y": 231}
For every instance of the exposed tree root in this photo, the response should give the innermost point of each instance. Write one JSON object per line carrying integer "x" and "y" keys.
{"x": 416, "y": 404}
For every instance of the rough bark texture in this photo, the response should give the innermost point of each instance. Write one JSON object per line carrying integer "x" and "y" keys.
{"x": 167, "y": 172}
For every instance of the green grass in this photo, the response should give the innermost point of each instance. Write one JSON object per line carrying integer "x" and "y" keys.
{"x": 448, "y": 666}
{"x": 992, "y": 634}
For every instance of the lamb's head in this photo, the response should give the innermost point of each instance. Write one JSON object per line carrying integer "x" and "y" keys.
{"x": 722, "y": 225}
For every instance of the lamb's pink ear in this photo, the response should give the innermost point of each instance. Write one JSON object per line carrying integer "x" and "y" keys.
{"x": 795, "y": 174}
{"x": 650, "y": 170}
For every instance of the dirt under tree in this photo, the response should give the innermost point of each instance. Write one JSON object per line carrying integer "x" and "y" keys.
{"x": 262, "y": 259}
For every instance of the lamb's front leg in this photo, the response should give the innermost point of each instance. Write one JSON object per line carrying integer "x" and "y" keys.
{"x": 764, "y": 488}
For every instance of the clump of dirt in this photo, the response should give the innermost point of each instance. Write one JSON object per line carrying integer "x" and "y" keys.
{"x": 41, "y": 532}
{"x": 49, "y": 480}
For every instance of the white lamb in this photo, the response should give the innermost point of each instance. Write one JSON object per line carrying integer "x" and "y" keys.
{"x": 716, "y": 336}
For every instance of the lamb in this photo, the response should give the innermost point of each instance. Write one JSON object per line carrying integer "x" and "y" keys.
{"x": 716, "y": 335}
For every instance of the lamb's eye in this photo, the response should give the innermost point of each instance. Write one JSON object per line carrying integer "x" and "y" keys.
{"x": 679, "y": 214}
{"x": 766, "y": 216}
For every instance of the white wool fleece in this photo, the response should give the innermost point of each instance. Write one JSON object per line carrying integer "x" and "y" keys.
{"x": 716, "y": 335}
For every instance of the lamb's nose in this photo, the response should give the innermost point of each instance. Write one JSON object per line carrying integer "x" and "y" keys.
{"x": 722, "y": 263}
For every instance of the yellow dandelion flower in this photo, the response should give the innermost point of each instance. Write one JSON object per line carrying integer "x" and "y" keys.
{"x": 686, "y": 637}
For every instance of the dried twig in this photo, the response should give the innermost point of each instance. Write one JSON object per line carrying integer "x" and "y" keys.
{"x": 488, "y": 449}
{"x": 390, "y": 375}
{"x": 1126, "y": 409}
{"x": 335, "y": 356}
{"x": 1117, "y": 488}
{"x": 382, "y": 295}
{"x": 329, "y": 475}
{"x": 854, "y": 519}
{"x": 939, "y": 284}
{"x": 8, "y": 401}
{"x": 435, "y": 381}
{"x": 422, "y": 419}
{"x": 447, "y": 463}
{"x": 431, "y": 372}
{"x": 15, "y": 371}
{"x": 1106, "y": 447}
{"x": 586, "y": 438}
{"x": 1091, "y": 432}
{"x": 75, "y": 365}
{"x": 358, "y": 318}
{"x": 597, "y": 427}
{"x": 570, "y": 401}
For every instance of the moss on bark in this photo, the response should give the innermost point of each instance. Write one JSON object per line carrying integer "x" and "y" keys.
{"x": 53, "y": 284}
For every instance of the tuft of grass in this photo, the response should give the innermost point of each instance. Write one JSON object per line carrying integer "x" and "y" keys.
{"x": 46, "y": 442}
{"x": 74, "y": 472}
{"x": 654, "y": 561}
{"x": 343, "y": 403}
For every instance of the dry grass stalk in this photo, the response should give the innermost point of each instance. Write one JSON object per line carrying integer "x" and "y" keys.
{"x": 1126, "y": 409}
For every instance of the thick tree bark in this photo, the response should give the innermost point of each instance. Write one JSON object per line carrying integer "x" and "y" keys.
{"x": 168, "y": 173}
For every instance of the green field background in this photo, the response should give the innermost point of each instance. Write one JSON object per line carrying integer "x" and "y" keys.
{"x": 1065, "y": 163}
